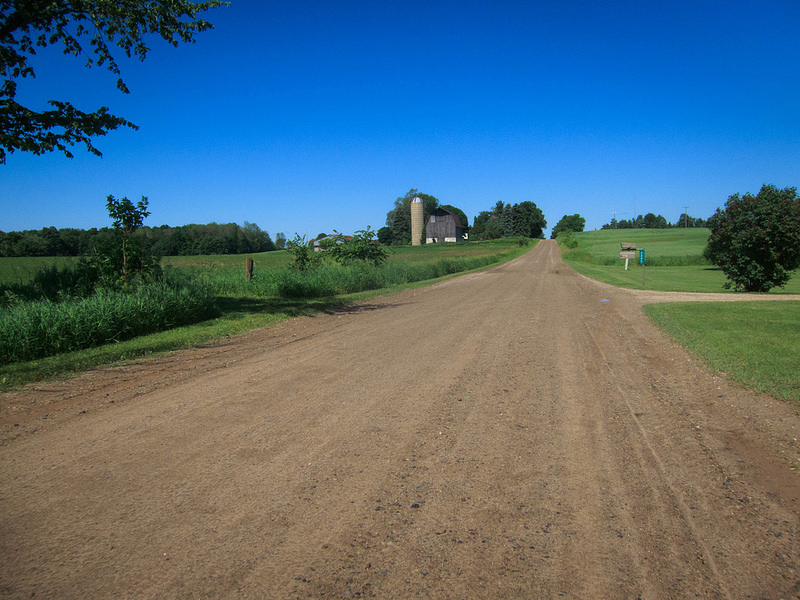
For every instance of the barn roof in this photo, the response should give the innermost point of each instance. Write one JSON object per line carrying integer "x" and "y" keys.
{"x": 442, "y": 212}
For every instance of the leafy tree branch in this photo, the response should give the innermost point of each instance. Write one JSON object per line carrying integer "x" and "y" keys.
{"x": 88, "y": 28}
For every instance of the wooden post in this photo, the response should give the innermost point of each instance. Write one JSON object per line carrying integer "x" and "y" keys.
{"x": 248, "y": 268}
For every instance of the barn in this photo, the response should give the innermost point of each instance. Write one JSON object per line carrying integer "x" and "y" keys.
{"x": 443, "y": 226}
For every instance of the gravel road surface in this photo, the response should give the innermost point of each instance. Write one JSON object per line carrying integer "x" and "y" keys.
{"x": 522, "y": 432}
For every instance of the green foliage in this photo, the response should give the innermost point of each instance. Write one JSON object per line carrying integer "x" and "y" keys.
{"x": 305, "y": 258}
{"x": 493, "y": 230}
{"x": 277, "y": 292}
{"x": 506, "y": 220}
{"x": 359, "y": 247}
{"x": 84, "y": 29}
{"x": 194, "y": 239}
{"x": 567, "y": 239}
{"x": 127, "y": 218}
{"x": 331, "y": 279}
{"x": 652, "y": 221}
{"x": 674, "y": 259}
{"x": 574, "y": 223}
{"x": 385, "y": 235}
{"x": 756, "y": 239}
{"x": 40, "y": 328}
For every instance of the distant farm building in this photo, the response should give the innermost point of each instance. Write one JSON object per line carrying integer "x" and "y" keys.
{"x": 443, "y": 226}
{"x": 315, "y": 243}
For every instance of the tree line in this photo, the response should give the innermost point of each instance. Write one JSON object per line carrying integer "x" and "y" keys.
{"x": 184, "y": 240}
{"x": 509, "y": 220}
{"x": 653, "y": 221}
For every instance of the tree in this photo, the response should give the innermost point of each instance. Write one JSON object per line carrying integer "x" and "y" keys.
{"x": 479, "y": 224}
{"x": 574, "y": 223}
{"x": 85, "y": 29}
{"x": 528, "y": 220}
{"x": 493, "y": 229}
{"x": 280, "y": 240}
{"x": 756, "y": 239}
{"x": 127, "y": 219}
{"x": 508, "y": 220}
{"x": 255, "y": 239}
{"x": 305, "y": 258}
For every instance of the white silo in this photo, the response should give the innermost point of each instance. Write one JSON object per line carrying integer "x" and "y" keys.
{"x": 417, "y": 219}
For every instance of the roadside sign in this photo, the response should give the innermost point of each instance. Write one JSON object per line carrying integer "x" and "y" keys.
{"x": 641, "y": 257}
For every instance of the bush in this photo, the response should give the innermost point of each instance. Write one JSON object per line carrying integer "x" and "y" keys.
{"x": 359, "y": 247}
{"x": 567, "y": 239}
{"x": 756, "y": 240}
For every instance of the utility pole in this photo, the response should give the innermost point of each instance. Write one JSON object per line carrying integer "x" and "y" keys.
{"x": 614, "y": 218}
{"x": 686, "y": 217}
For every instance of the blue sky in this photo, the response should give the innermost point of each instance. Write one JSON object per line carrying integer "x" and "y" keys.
{"x": 307, "y": 116}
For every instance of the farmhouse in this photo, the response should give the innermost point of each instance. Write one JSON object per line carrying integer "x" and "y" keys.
{"x": 443, "y": 226}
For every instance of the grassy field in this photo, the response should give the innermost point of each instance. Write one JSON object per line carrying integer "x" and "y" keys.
{"x": 673, "y": 260}
{"x": 249, "y": 305}
{"x": 21, "y": 270}
{"x": 755, "y": 343}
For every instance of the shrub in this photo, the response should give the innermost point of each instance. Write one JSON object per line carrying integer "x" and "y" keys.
{"x": 567, "y": 239}
{"x": 756, "y": 240}
{"x": 359, "y": 247}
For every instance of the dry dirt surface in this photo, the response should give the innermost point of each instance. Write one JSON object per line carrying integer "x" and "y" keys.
{"x": 523, "y": 432}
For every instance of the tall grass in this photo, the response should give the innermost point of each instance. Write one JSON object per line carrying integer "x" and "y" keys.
{"x": 36, "y": 329}
{"x": 333, "y": 279}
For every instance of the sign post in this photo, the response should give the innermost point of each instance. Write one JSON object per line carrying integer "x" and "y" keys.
{"x": 641, "y": 262}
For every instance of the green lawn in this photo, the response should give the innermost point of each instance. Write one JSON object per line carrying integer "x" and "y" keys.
{"x": 755, "y": 343}
{"x": 673, "y": 260}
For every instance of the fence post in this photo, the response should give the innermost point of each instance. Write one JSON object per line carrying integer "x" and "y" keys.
{"x": 248, "y": 269}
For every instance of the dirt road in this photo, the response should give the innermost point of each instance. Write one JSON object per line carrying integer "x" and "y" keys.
{"x": 519, "y": 433}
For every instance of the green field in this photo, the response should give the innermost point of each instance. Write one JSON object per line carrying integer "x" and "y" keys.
{"x": 673, "y": 260}
{"x": 21, "y": 270}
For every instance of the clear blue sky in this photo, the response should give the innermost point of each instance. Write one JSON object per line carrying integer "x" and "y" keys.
{"x": 307, "y": 115}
